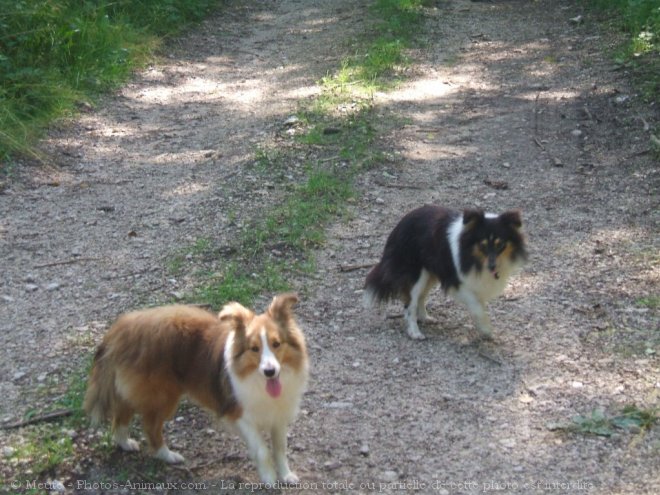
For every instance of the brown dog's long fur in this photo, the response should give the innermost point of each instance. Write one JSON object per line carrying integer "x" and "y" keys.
{"x": 154, "y": 356}
{"x": 248, "y": 369}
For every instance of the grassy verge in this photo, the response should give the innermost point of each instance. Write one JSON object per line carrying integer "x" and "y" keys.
{"x": 639, "y": 20}
{"x": 340, "y": 129}
{"x": 58, "y": 54}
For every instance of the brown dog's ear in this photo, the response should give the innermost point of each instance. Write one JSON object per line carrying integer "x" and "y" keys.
{"x": 237, "y": 315}
{"x": 471, "y": 218}
{"x": 512, "y": 217}
{"x": 280, "y": 309}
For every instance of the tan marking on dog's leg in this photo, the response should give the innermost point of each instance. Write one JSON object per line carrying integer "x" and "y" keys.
{"x": 153, "y": 427}
{"x": 422, "y": 315}
{"x": 478, "y": 312}
{"x": 123, "y": 414}
{"x": 410, "y": 313}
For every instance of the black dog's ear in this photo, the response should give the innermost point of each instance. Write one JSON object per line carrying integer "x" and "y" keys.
{"x": 512, "y": 217}
{"x": 471, "y": 218}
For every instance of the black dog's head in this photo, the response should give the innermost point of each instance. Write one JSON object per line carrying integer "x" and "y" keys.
{"x": 491, "y": 241}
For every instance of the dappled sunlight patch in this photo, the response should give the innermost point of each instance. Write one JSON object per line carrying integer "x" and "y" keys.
{"x": 549, "y": 94}
{"x": 187, "y": 189}
{"x": 422, "y": 90}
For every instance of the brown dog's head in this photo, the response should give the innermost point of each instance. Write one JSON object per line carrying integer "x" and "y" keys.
{"x": 267, "y": 342}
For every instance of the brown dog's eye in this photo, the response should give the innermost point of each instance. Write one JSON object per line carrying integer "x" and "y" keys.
{"x": 276, "y": 344}
{"x": 254, "y": 348}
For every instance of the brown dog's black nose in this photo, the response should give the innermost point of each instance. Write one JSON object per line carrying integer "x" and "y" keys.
{"x": 270, "y": 372}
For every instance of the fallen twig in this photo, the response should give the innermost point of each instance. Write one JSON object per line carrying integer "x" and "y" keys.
{"x": 351, "y": 268}
{"x": 66, "y": 262}
{"x": 185, "y": 469}
{"x": 489, "y": 357}
{"x": 60, "y": 413}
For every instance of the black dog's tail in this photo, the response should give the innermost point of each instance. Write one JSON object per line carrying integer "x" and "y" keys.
{"x": 379, "y": 285}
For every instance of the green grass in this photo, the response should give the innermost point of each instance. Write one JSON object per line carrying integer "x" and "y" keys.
{"x": 42, "y": 450}
{"x": 630, "y": 418}
{"x": 651, "y": 302}
{"x": 639, "y": 21}
{"x": 377, "y": 63}
{"x": 237, "y": 284}
{"x": 57, "y": 54}
{"x": 340, "y": 128}
{"x": 598, "y": 423}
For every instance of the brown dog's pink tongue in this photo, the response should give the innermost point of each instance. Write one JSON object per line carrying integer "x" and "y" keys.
{"x": 273, "y": 387}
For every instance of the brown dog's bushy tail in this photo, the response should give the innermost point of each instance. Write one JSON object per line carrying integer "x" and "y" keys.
{"x": 101, "y": 394}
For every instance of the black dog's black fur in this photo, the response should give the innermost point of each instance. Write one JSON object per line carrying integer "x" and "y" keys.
{"x": 434, "y": 244}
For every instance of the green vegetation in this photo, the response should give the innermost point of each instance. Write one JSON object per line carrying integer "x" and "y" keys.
{"x": 640, "y": 21}
{"x": 340, "y": 129}
{"x": 43, "y": 449}
{"x": 57, "y": 54}
{"x": 631, "y": 418}
{"x": 651, "y": 302}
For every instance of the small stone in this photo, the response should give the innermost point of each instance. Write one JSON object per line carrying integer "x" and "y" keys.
{"x": 576, "y": 132}
{"x": 56, "y": 486}
{"x": 53, "y": 286}
{"x": 390, "y": 476}
{"x": 8, "y": 452}
{"x": 364, "y": 450}
{"x": 380, "y": 201}
{"x": 331, "y": 465}
{"x": 6, "y": 298}
{"x": 19, "y": 374}
{"x": 293, "y": 120}
{"x": 506, "y": 165}
{"x": 508, "y": 442}
{"x": 31, "y": 287}
{"x": 577, "y": 384}
{"x": 42, "y": 377}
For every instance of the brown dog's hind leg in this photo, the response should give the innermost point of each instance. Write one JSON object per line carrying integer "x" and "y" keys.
{"x": 121, "y": 419}
{"x": 153, "y": 421}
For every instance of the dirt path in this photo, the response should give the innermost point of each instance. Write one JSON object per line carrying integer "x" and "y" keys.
{"x": 509, "y": 105}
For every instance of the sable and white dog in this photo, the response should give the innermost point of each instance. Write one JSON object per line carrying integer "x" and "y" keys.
{"x": 471, "y": 254}
{"x": 250, "y": 370}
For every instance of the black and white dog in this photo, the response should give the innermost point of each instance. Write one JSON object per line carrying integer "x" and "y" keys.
{"x": 471, "y": 254}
